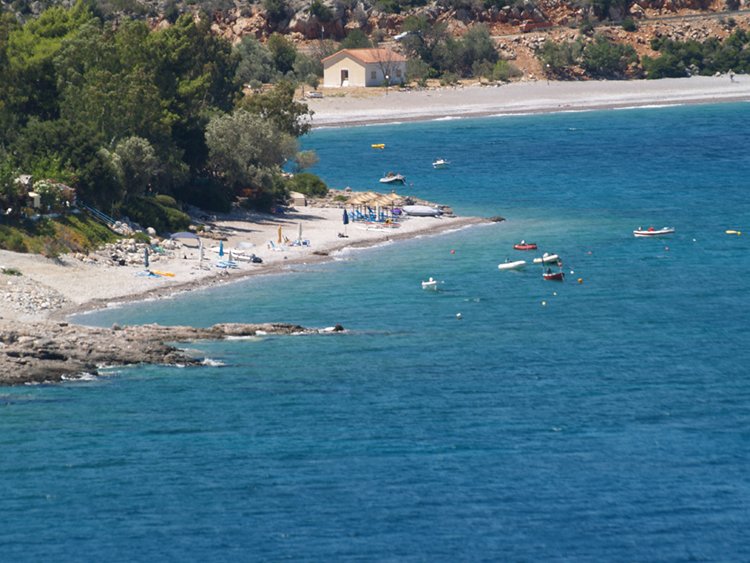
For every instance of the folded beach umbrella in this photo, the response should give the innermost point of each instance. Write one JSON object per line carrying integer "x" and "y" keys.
{"x": 221, "y": 248}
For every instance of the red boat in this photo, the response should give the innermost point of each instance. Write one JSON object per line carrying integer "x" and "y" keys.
{"x": 553, "y": 276}
{"x": 523, "y": 245}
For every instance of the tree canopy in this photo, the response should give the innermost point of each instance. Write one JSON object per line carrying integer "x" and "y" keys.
{"x": 121, "y": 111}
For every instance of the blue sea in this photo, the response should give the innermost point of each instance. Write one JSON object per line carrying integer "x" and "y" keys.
{"x": 605, "y": 418}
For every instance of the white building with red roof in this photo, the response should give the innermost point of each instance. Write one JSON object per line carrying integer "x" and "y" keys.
{"x": 364, "y": 67}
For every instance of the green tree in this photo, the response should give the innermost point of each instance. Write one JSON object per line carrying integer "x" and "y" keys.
{"x": 278, "y": 106}
{"x": 31, "y": 51}
{"x": 255, "y": 62}
{"x": 304, "y": 160}
{"x": 475, "y": 46}
{"x": 559, "y": 59}
{"x": 194, "y": 72}
{"x": 604, "y": 59}
{"x": 276, "y": 11}
{"x": 283, "y": 52}
{"x": 136, "y": 164}
{"x": 356, "y": 39}
{"x": 247, "y": 151}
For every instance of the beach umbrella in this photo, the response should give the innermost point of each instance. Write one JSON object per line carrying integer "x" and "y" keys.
{"x": 200, "y": 253}
{"x": 346, "y": 220}
{"x": 279, "y": 241}
{"x": 221, "y": 248}
{"x": 299, "y": 233}
{"x": 145, "y": 257}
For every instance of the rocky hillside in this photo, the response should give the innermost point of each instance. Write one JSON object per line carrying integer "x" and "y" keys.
{"x": 519, "y": 28}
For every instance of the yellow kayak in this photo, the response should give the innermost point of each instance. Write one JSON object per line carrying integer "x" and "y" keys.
{"x": 733, "y": 232}
{"x": 166, "y": 274}
{"x": 378, "y": 146}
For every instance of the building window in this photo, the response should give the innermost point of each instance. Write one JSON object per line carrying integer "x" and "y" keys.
{"x": 373, "y": 75}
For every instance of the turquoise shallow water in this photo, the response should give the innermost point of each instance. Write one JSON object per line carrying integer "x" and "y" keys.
{"x": 609, "y": 424}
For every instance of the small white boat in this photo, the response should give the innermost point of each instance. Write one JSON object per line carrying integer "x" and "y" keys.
{"x": 546, "y": 259}
{"x": 651, "y": 232}
{"x": 392, "y": 178}
{"x": 514, "y": 265}
{"x": 429, "y": 284}
{"x": 440, "y": 163}
{"x": 421, "y": 210}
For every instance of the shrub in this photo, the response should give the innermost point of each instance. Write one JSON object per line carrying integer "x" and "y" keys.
{"x": 628, "y": 24}
{"x": 209, "y": 195}
{"x": 141, "y": 237}
{"x": 147, "y": 211}
{"x": 308, "y": 184}
{"x": 166, "y": 200}
{"x": 505, "y": 70}
{"x": 11, "y": 272}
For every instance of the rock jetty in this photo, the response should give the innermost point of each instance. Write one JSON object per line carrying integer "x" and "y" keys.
{"x": 53, "y": 351}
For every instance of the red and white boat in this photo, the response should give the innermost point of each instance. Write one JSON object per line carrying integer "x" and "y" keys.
{"x": 651, "y": 232}
{"x": 553, "y": 276}
{"x": 523, "y": 245}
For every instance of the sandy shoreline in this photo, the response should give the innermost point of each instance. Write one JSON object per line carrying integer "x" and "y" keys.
{"x": 55, "y": 289}
{"x": 334, "y": 110}
{"x": 49, "y": 289}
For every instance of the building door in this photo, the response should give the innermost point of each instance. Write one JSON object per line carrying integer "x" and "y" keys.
{"x": 345, "y": 77}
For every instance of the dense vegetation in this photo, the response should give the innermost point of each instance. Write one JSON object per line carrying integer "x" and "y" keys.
{"x": 683, "y": 58}
{"x": 123, "y": 113}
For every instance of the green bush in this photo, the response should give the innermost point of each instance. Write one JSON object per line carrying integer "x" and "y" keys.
{"x": 308, "y": 184}
{"x": 166, "y": 200}
{"x": 505, "y": 70}
{"x": 141, "y": 237}
{"x": 628, "y": 24}
{"x": 209, "y": 195}
{"x": 12, "y": 239}
{"x": 148, "y": 212}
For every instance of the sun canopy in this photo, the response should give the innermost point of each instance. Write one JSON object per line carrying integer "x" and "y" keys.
{"x": 184, "y": 234}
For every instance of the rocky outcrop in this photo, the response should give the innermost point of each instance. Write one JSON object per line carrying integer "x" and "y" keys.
{"x": 51, "y": 352}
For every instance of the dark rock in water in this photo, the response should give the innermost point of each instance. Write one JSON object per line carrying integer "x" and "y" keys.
{"x": 50, "y": 352}
{"x": 496, "y": 219}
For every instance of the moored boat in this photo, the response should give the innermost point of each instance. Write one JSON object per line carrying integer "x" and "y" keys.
{"x": 511, "y": 265}
{"x": 430, "y": 284}
{"x": 651, "y": 232}
{"x": 523, "y": 245}
{"x": 440, "y": 163}
{"x": 421, "y": 210}
{"x": 392, "y": 178}
{"x": 546, "y": 259}
{"x": 553, "y": 276}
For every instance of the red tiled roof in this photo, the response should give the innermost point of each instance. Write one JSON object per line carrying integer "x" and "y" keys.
{"x": 367, "y": 56}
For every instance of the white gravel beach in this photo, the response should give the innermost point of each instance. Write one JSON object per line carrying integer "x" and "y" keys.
{"x": 540, "y": 96}
{"x": 50, "y": 288}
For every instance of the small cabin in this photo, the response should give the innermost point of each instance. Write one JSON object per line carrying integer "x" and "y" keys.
{"x": 364, "y": 67}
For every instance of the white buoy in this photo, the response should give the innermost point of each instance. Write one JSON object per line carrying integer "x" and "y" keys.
{"x": 459, "y": 316}
{"x": 544, "y": 303}
{"x": 554, "y": 293}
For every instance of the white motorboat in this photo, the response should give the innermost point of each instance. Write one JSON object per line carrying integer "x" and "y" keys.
{"x": 392, "y": 178}
{"x": 421, "y": 210}
{"x": 430, "y": 284}
{"x": 514, "y": 265}
{"x": 651, "y": 232}
{"x": 546, "y": 259}
{"x": 440, "y": 163}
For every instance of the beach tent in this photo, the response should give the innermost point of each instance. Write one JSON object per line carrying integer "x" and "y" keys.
{"x": 185, "y": 236}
